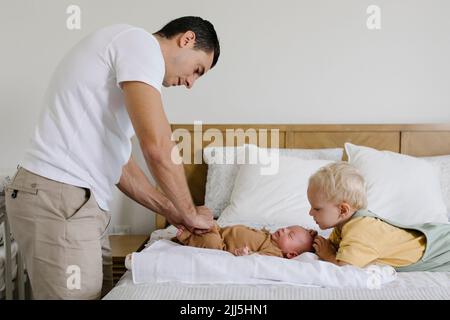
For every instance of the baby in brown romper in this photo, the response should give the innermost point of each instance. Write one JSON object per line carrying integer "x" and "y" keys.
{"x": 241, "y": 240}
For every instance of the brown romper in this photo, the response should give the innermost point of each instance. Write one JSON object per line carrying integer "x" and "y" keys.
{"x": 231, "y": 238}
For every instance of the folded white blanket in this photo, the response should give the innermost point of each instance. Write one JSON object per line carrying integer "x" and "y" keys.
{"x": 167, "y": 261}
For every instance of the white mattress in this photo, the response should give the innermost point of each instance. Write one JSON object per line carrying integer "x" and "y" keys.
{"x": 408, "y": 285}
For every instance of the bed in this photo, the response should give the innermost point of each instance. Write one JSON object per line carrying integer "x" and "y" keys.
{"x": 415, "y": 140}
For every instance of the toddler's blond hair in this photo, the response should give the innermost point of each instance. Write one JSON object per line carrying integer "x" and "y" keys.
{"x": 341, "y": 182}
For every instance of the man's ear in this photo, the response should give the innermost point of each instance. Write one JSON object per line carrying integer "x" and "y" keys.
{"x": 291, "y": 255}
{"x": 187, "y": 40}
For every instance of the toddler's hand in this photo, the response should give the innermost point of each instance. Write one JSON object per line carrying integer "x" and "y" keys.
{"x": 242, "y": 251}
{"x": 312, "y": 232}
{"x": 324, "y": 249}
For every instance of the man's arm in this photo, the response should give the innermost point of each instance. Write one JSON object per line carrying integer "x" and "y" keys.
{"x": 152, "y": 128}
{"x": 134, "y": 183}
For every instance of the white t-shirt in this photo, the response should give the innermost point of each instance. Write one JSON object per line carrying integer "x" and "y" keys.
{"x": 83, "y": 135}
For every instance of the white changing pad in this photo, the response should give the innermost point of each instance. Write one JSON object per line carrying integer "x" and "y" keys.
{"x": 407, "y": 285}
{"x": 165, "y": 261}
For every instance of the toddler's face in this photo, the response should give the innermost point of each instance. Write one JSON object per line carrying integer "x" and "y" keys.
{"x": 325, "y": 213}
{"x": 293, "y": 240}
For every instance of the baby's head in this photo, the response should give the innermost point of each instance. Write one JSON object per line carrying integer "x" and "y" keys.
{"x": 293, "y": 240}
{"x": 335, "y": 193}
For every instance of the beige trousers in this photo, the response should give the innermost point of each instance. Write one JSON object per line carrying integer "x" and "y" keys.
{"x": 61, "y": 233}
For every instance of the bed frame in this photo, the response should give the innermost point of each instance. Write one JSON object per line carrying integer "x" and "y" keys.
{"x": 410, "y": 139}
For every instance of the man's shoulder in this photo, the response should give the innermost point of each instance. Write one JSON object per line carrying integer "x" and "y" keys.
{"x": 117, "y": 27}
{"x": 115, "y": 30}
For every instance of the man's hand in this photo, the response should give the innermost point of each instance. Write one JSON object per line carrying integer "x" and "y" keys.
{"x": 202, "y": 222}
{"x": 199, "y": 223}
{"x": 245, "y": 251}
{"x": 324, "y": 249}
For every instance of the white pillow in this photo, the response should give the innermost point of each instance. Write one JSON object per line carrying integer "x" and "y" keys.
{"x": 278, "y": 199}
{"x": 400, "y": 188}
{"x": 221, "y": 177}
{"x": 443, "y": 162}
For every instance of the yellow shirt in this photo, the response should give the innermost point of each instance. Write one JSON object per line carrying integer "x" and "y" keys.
{"x": 365, "y": 240}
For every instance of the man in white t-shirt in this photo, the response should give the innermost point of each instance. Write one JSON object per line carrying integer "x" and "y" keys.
{"x": 106, "y": 90}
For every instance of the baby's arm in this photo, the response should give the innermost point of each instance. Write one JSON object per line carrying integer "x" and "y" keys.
{"x": 245, "y": 251}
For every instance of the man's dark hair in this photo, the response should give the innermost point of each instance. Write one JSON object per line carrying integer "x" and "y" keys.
{"x": 205, "y": 35}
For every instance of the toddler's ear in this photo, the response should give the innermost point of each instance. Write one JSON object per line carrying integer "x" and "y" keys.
{"x": 345, "y": 209}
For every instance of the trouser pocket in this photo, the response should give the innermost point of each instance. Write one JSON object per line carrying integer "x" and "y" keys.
{"x": 13, "y": 189}
{"x": 88, "y": 222}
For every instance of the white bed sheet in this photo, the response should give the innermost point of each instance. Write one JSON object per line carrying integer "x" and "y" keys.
{"x": 408, "y": 285}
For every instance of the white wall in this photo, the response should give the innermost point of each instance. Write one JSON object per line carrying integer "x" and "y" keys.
{"x": 282, "y": 62}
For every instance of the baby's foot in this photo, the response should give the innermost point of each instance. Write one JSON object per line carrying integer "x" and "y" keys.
{"x": 180, "y": 231}
{"x": 128, "y": 261}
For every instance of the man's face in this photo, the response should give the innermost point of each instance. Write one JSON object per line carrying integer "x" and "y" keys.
{"x": 186, "y": 64}
{"x": 325, "y": 213}
{"x": 293, "y": 240}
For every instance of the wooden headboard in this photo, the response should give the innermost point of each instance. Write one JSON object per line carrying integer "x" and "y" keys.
{"x": 411, "y": 139}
